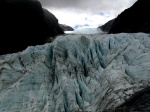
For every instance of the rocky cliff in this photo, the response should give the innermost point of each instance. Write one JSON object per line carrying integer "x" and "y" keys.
{"x": 75, "y": 73}
{"x": 106, "y": 27}
{"x": 66, "y": 27}
{"x": 134, "y": 19}
{"x": 25, "y": 23}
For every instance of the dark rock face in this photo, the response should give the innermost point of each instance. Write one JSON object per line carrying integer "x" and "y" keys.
{"x": 139, "y": 102}
{"x": 66, "y": 28}
{"x": 52, "y": 23}
{"x": 24, "y": 23}
{"x": 134, "y": 19}
{"x": 106, "y": 27}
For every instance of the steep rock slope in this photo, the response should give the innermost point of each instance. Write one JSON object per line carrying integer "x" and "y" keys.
{"x": 24, "y": 23}
{"x": 75, "y": 72}
{"x": 106, "y": 27}
{"x": 139, "y": 102}
{"x": 134, "y": 19}
{"x": 66, "y": 27}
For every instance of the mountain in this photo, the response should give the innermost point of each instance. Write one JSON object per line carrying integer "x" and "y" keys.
{"x": 134, "y": 19}
{"x": 25, "y": 23}
{"x": 106, "y": 27}
{"x": 84, "y": 71}
{"x": 76, "y": 73}
{"x": 66, "y": 27}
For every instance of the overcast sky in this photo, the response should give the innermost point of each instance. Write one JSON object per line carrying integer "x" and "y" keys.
{"x": 86, "y": 13}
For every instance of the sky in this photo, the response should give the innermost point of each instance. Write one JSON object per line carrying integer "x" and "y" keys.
{"x": 86, "y": 13}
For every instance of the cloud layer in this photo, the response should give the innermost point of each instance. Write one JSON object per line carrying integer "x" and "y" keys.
{"x": 89, "y": 13}
{"x": 78, "y": 19}
{"x": 88, "y": 5}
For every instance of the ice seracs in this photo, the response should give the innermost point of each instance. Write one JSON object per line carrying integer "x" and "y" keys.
{"x": 75, "y": 72}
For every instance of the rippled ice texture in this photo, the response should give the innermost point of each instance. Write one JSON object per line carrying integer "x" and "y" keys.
{"x": 75, "y": 73}
{"x": 85, "y": 31}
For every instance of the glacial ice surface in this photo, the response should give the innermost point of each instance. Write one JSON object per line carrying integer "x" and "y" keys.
{"x": 85, "y": 31}
{"x": 75, "y": 73}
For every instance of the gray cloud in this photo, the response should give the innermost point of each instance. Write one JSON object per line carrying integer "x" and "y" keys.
{"x": 89, "y": 5}
{"x": 86, "y": 13}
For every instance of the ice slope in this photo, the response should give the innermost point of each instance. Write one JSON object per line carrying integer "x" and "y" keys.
{"x": 85, "y": 31}
{"x": 75, "y": 73}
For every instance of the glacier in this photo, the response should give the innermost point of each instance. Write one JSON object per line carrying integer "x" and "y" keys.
{"x": 86, "y": 31}
{"x": 82, "y": 72}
